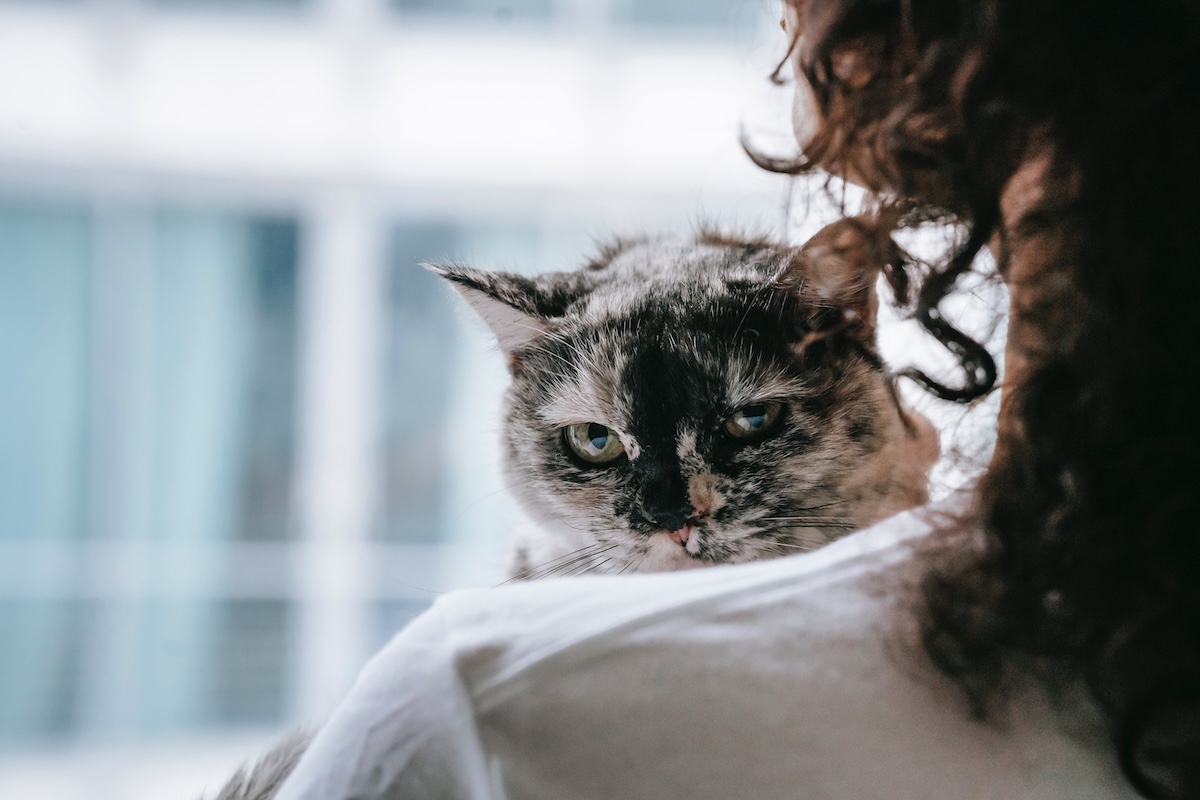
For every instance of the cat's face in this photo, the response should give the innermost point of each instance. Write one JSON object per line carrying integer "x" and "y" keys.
{"x": 681, "y": 404}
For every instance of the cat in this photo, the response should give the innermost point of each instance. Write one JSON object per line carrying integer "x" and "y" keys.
{"x": 686, "y": 402}
{"x": 679, "y": 403}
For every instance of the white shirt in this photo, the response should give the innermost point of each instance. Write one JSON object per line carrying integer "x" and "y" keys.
{"x": 792, "y": 678}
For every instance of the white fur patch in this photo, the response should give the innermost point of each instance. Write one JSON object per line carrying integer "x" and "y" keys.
{"x": 574, "y": 403}
{"x": 748, "y": 385}
{"x": 686, "y": 450}
{"x": 632, "y": 448}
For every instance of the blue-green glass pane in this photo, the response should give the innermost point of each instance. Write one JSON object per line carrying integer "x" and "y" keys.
{"x": 270, "y": 431}
{"x": 251, "y": 675}
{"x": 232, "y": 6}
{"x": 40, "y": 662}
{"x": 667, "y": 15}
{"x": 495, "y": 10}
{"x": 44, "y": 354}
{"x": 203, "y": 326}
{"x": 418, "y": 349}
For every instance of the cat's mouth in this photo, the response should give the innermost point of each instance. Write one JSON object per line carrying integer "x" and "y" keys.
{"x": 686, "y": 539}
{"x": 684, "y": 535}
{"x": 666, "y": 554}
{"x": 686, "y": 547}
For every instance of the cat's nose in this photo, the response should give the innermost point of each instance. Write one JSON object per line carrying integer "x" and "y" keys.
{"x": 671, "y": 519}
{"x": 664, "y": 497}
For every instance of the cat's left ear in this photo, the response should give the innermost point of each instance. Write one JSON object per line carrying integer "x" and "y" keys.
{"x": 516, "y": 308}
{"x": 835, "y": 275}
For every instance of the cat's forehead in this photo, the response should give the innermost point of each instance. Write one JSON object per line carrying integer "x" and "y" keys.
{"x": 637, "y": 366}
{"x": 669, "y": 269}
{"x": 690, "y": 325}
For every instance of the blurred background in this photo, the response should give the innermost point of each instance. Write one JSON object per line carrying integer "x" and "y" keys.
{"x": 243, "y": 437}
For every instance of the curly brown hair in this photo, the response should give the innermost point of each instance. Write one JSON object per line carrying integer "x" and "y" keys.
{"x": 1087, "y": 560}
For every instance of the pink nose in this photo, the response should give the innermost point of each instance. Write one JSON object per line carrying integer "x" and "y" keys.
{"x": 683, "y": 534}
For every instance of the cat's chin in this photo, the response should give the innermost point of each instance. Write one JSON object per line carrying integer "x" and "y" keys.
{"x": 667, "y": 555}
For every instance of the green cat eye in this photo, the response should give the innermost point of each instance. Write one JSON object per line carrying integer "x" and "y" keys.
{"x": 593, "y": 442}
{"x": 751, "y": 421}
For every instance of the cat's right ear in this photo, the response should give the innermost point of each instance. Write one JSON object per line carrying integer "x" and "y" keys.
{"x": 835, "y": 273}
{"x": 508, "y": 303}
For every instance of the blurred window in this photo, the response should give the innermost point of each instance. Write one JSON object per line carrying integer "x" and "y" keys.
{"x": 147, "y": 394}
{"x": 418, "y": 345}
{"x": 268, "y": 457}
{"x": 389, "y": 616}
{"x": 659, "y": 15}
{"x": 45, "y": 292}
{"x": 422, "y": 344}
{"x": 497, "y": 10}
{"x": 666, "y": 15}
{"x": 173, "y": 563}
{"x": 284, "y": 7}
{"x": 252, "y": 659}
{"x": 41, "y": 664}
{"x": 45, "y": 302}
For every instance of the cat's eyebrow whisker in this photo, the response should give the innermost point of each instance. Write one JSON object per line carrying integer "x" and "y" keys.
{"x": 762, "y": 293}
{"x": 552, "y": 354}
{"x": 588, "y": 358}
{"x": 561, "y": 339}
{"x": 558, "y": 337}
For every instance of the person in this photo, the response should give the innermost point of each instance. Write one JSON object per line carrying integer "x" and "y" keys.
{"x": 1037, "y": 637}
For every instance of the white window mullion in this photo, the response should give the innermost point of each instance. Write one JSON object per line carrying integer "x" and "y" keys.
{"x": 341, "y": 284}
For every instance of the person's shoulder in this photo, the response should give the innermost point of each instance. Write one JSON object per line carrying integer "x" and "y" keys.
{"x": 884, "y": 544}
{"x": 769, "y": 606}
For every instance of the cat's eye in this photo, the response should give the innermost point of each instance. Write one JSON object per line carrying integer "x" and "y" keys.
{"x": 593, "y": 442}
{"x": 750, "y": 422}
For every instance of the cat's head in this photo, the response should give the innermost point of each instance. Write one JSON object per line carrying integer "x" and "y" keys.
{"x": 680, "y": 403}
